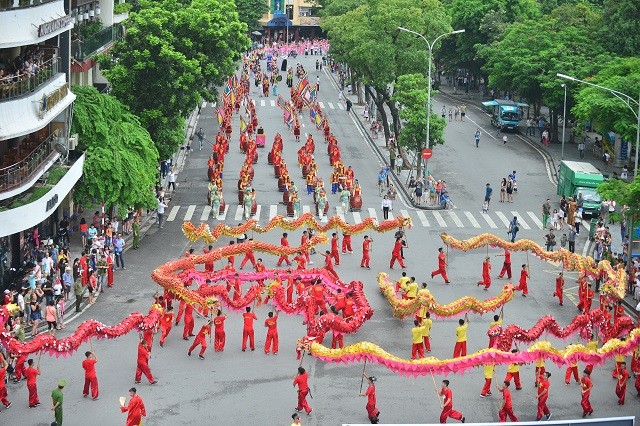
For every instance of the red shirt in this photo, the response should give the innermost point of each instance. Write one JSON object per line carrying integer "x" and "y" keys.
{"x": 397, "y": 247}
{"x": 260, "y": 267}
{"x": 334, "y": 243}
{"x": 507, "y": 256}
{"x": 303, "y": 240}
{"x": 143, "y": 354}
{"x": 348, "y": 308}
{"x": 340, "y": 301}
{"x": 448, "y": 397}
{"x": 327, "y": 261}
{"x": 2, "y": 374}
{"x": 31, "y": 373}
{"x": 271, "y": 324}
{"x": 219, "y": 323}
{"x": 506, "y": 395}
{"x": 318, "y": 292}
{"x": 284, "y": 242}
{"x": 366, "y": 245}
{"x": 89, "y": 366}
{"x": 586, "y": 384}
{"x": 623, "y": 375}
{"x": 542, "y": 385}
{"x": 371, "y": 394}
{"x": 441, "y": 260}
{"x": 248, "y": 318}
{"x": 205, "y": 330}
{"x": 301, "y": 381}
{"x": 523, "y": 276}
{"x": 167, "y": 320}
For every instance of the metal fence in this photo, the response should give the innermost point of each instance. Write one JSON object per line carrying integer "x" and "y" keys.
{"x": 81, "y": 50}
{"x": 15, "y": 175}
{"x": 16, "y": 87}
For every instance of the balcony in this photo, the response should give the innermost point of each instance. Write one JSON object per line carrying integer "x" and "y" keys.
{"x": 81, "y": 50}
{"x": 31, "y": 22}
{"x": 17, "y": 87}
{"x": 18, "y": 4}
{"x": 23, "y": 173}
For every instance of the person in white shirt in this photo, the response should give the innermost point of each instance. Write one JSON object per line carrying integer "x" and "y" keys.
{"x": 57, "y": 288}
{"x": 161, "y": 206}
{"x": 172, "y": 180}
{"x": 387, "y": 205}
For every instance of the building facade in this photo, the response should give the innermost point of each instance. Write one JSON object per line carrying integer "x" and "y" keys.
{"x": 291, "y": 20}
{"x": 38, "y": 168}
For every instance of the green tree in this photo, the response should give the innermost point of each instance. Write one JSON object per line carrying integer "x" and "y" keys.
{"x": 621, "y": 34}
{"x": 251, "y": 11}
{"x": 121, "y": 160}
{"x": 608, "y": 112}
{"x": 410, "y": 92}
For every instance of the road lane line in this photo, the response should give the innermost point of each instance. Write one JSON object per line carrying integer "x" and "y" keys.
{"x": 224, "y": 213}
{"x": 205, "y": 214}
{"x": 340, "y": 106}
{"x": 439, "y": 219}
{"x": 521, "y": 220}
{"x": 173, "y": 213}
{"x": 306, "y": 209}
{"x": 503, "y": 218}
{"x": 239, "y": 211}
{"x": 357, "y": 218}
{"x": 472, "y": 219}
{"x": 321, "y": 105}
{"x": 535, "y": 219}
{"x": 262, "y": 103}
{"x": 423, "y": 218}
{"x": 330, "y": 105}
{"x": 456, "y": 219}
{"x": 372, "y": 213}
{"x": 488, "y": 219}
{"x": 273, "y": 211}
{"x": 272, "y": 102}
{"x": 258, "y": 210}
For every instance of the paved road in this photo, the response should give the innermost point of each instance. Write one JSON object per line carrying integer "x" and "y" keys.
{"x": 255, "y": 389}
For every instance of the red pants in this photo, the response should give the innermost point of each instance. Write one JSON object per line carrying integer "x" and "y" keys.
{"x": 332, "y": 271}
{"x": 486, "y": 281}
{"x": 621, "y": 391}
{"x": 614, "y": 374}
{"x": 336, "y": 256}
{"x": 365, "y": 260}
{"x": 219, "y": 339}
{"x": 447, "y": 412}
{"x": 284, "y": 259}
{"x": 188, "y": 327}
{"x": 502, "y": 414}
{"x": 144, "y": 369}
{"x": 427, "y": 343}
{"x": 247, "y": 259}
{"x": 320, "y": 304}
{"x": 19, "y": 373}
{"x": 203, "y": 345}
{"x": 516, "y": 379}
{"x": 559, "y": 294}
{"x": 417, "y": 349}
{"x": 346, "y": 246}
{"x": 180, "y": 311}
{"x": 567, "y": 374}
{"x": 372, "y": 411}
{"x": 33, "y": 395}
{"x": 248, "y": 334}
{"x": 302, "y": 401}
{"x": 460, "y": 349}
{"x": 440, "y": 271}
{"x": 586, "y": 404}
{"x": 394, "y": 257}
{"x": 91, "y": 382}
{"x": 524, "y": 287}
{"x": 487, "y": 387}
{"x": 506, "y": 269}
{"x": 164, "y": 334}
{"x": 290, "y": 293}
{"x": 337, "y": 341}
{"x": 272, "y": 339}
{"x": 542, "y": 407}
{"x": 3, "y": 395}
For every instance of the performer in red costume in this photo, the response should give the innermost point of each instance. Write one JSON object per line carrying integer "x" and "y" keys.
{"x": 506, "y": 265}
{"x": 142, "y": 366}
{"x": 396, "y": 253}
{"x": 366, "y": 252}
{"x": 272, "y": 333}
{"x": 523, "y": 284}
{"x": 90, "y": 376}
{"x": 201, "y": 339}
{"x": 442, "y": 264}
{"x": 486, "y": 274}
{"x": 32, "y": 373}
{"x": 328, "y": 265}
{"x": 543, "y": 395}
{"x": 284, "y": 243}
{"x": 372, "y": 409}
{"x": 188, "y": 322}
{"x": 135, "y": 408}
{"x": 166, "y": 322}
{"x": 335, "y": 254}
{"x": 219, "y": 336}
{"x": 447, "y": 409}
{"x": 302, "y": 381}
{"x": 585, "y": 388}
{"x": 317, "y": 293}
{"x": 247, "y": 330}
{"x": 559, "y": 293}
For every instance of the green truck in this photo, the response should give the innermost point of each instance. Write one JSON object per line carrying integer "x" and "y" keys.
{"x": 581, "y": 178}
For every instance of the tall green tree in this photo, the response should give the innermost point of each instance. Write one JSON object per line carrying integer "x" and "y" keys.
{"x": 608, "y": 112}
{"x": 121, "y": 160}
{"x": 174, "y": 53}
{"x": 251, "y": 11}
{"x": 621, "y": 34}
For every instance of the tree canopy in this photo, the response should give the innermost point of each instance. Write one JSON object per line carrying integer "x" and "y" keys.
{"x": 250, "y": 12}
{"x": 120, "y": 158}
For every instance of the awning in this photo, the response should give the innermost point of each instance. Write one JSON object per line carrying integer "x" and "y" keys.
{"x": 23, "y": 116}
{"x": 31, "y": 25}
{"x": 280, "y": 20}
{"x": 490, "y": 103}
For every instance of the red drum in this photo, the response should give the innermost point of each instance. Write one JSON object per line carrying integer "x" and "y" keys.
{"x": 276, "y": 170}
{"x": 285, "y": 197}
{"x": 270, "y": 158}
{"x": 280, "y": 184}
{"x": 355, "y": 203}
{"x": 305, "y": 170}
{"x": 254, "y": 207}
{"x": 240, "y": 197}
{"x": 290, "y": 209}
{"x": 222, "y": 207}
{"x": 210, "y": 173}
{"x": 326, "y": 209}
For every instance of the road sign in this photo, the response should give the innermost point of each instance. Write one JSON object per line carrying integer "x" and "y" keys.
{"x": 426, "y": 153}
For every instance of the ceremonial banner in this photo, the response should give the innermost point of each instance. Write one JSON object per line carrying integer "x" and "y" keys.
{"x": 243, "y": 125}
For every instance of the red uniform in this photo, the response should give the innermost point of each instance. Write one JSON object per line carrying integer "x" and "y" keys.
{"x": 201, "y": 339}
{"x": 143, "y": 364}
{"x": 372, "y": 410}
{"x": 506, "y": 266}
{"x": 136, "y": 411}
{"x": 109, "y": 272}
{"x": 328, "y": 265}
{"x": 317, "y": 292}
{"x": 522, "y": 284}
{"x": 19, "y": 368}
{"x": 147, "y": 335}
{"x": 586, "y": 385}
{"x": 303, "y": 389}
{"x": 90, "y": 377}
{"x": 587, "y": 301}
{"x": 248, "y": 257}
{"x": 166, "y": 322}
{"x": 348, "y": 309}
{"x": 303, "y": 241}
{"x": 219, "y": 336}
{"x": 543, "y": 388}
{"x": 335, "y": 254}
{"x": 208, "y": 266}
{"x": 442, "y": 264}
{"x": 573, "y": 368}
{"x": 180, "y": 311}
{"x": 247, "y": 330}
{"x": 582, "y": 293}
{"x": 486, "y": 275}
{"x": 31, "y": 373}
{"x": 621, "y": 385}
{"x": 284, "y": 258}
{"x": 3, "y": 388}
{"x": 507, "y": 408}
{"x": 559, "y": 292}
{"x": 272, "y": 335}
{"x": 346, "y": 244}
{"x": 447, "y": 410}
{"x": 366, "y": 254}
{"x": 337, "y": 340}
{"x": 301, "y": 260}
{"x": 340, "y": 302}
{"x": 188, "y": 322}
{"x": 396, "y": 254}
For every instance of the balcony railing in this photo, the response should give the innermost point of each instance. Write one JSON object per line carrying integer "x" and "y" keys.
{"x": 18, "y": 4}
{"x": 16, "y": 87}
{"x": 15, "y": 175}
{"x": 81, "y": 50}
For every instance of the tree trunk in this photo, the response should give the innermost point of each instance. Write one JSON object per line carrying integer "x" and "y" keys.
{"x": 379, "y": 101}
{"x": 554, "y": 126}
{"x": 359, "y": 91}
{"x": 393, "y": 108}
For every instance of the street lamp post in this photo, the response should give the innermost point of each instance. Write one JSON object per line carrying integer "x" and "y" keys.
{"x": 430, "y": 46}
{"x": 628, "y": 101}
{"x": 564, "y": 119}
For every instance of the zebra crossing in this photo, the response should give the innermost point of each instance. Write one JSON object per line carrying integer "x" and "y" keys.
{"x": 454, "y": 219}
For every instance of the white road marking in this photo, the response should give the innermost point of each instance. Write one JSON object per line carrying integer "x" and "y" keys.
{"x": 372, "y": 213}
{"x": 456, "y": 219}
{"x": 503, "y": 218}
{"x": 239, "y": 212}
{"x": 357, "y": 218}
{"x": 272, "y": 102}
{"x": 262, "y": 102}
{"x": 391, "y": 216}
{"x": 330, "y": 105}
{"x": 306, "y": 209}
{"x": 258, "y": 210}
{"x": 173, "y": 213}
{"x": 472, "y": 219}
{"x": 535, "y": 219}
{"x": 273, "y": 211}
{"x": 423, "y": 218}
{"x": 224, "y": 213}
{"x": 321, "y": 105}
{"x": 340, "y": 106}
{"x": 439, "y": 219}
{"x": 189, "y": 214}
{"x": 488, "y": 219}
{"x": 205, "y": 213}
{"x": 522, "y": 222}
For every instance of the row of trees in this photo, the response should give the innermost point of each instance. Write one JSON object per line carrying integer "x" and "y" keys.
{"x": 175, "y": 54}
{"x": 518, "y": 46}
